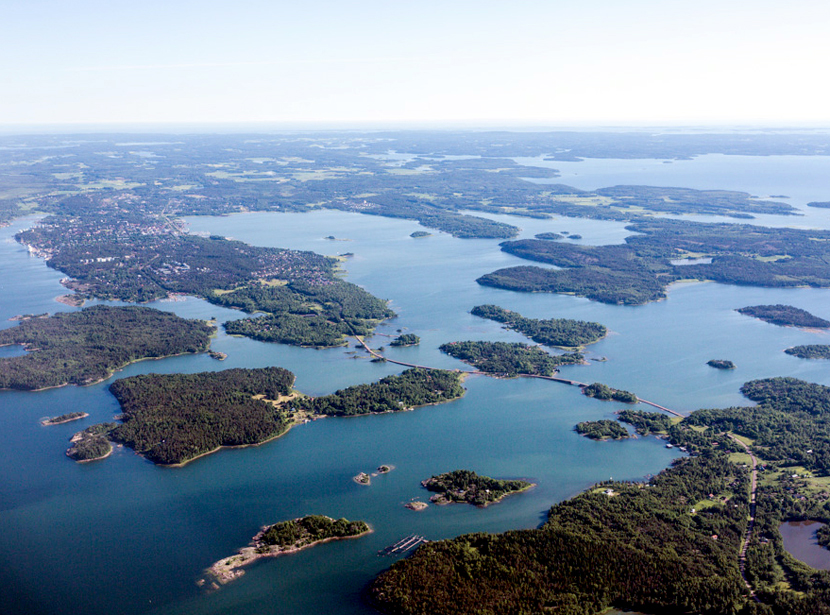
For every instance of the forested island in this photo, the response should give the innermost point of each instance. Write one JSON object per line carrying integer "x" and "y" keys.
{"x": 603, "y": 429}
{"x": 174, "y": 418}
{"x": 467, "y": 486}
{"x": 810, "y": 351}
{"x": 89, "y": 345}
{"x": 669, "y": 545}
{"x": 639, "y": 270}
{"x": 785, "y": 316}
{"x": 720, "y": 364}
{"x": 558, "y": 332}
{"x": 509, "y": 359}
{"x": 606, "y": 393}
{"x": 281, "y": 539}
{"x": 412, "y": 388}
{"x": 407, "y": 339}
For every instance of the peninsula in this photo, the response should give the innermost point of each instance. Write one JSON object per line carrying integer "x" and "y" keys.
{"x": 282, "y": 539}
{"x": 64, "y": 418}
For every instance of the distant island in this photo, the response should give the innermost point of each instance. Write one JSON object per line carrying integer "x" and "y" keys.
{"x": 407, "y": 339}
{"x": 64, "y": 418}
{"x": 810, "y": 351}
{"x": 509, "y": 359}
{"x": 88, "y": 346}
{"x": 559, "y": 332}
{"x": 418, "y": 234}
{"x": 281, "y": 539}
{"x": 172, "y": 419}
{"x": 720, "y": 364}
{"x": 819, "y": 204}
{"x": 606, "y": 393}
{"x": 467, "y": 486}
{"x": 639, "y": 270}
{"x": 785, "y": 316}
{"x": 601, "y": 430}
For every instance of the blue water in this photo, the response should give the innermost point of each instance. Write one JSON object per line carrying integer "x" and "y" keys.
{"x": 125, "y": 536}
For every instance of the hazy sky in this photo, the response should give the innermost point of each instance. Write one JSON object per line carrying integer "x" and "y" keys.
{"x": 530, "y": 62}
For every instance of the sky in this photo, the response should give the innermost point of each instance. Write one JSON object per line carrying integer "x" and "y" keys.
{"x": 364, "y": 62}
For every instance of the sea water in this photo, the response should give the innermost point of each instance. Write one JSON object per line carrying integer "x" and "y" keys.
{"x": 123, "y": 535}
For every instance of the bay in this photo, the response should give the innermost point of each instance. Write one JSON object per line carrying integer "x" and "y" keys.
{"x": 123, "y": 535}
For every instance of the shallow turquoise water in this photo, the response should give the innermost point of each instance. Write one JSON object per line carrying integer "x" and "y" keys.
{"x": 123, "y": 535}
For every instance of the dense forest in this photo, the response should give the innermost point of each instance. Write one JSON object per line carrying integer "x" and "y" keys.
{"x": 635, "y": 547}
{"x": 560, "y": 332}
{"x": 810, "y": 351}
{"x": 606, "y": 393}
{"x": 603, "y": 429}
{"x": 669, "y": 545}
{"x": 413, "y": 387}
{"x": 639, "y": 270}
{"x": 467, "y": 486}
{"x": 509, "y": 359}
{"x": 785, "y": 316}
{"x": 89, "y": 345}
{"x": 172, "y": 418}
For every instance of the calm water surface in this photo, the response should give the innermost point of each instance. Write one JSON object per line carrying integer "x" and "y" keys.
{"x": 123, "y": 535}
{"x": 801, "y": 542}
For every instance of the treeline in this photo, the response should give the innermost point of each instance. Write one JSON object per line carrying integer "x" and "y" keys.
{"x": 467, "y": 486}
{"x": 86, "y": 346}
{"x": 638, "y": 550}
{"x": 413, "y": 387}
{"x": 606, "y": 393}
{"x": 785, "y": 315}
{"x": 561, "y": 332}
{"x": 172, "y": 418}
{"x": 603, "y": 429}
{"x": 509, "y": 359}
{"x": 810, "y": 351}
{"x": 309, "y": 529}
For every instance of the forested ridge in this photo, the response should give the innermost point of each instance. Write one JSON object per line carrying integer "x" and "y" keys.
{"x": 89, "y": 345}
{"x": 561, "y": 332}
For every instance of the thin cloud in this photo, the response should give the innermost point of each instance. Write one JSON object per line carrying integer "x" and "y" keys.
{"x": 191, "y": 65}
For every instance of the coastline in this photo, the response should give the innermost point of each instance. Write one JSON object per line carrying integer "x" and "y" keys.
{"x": 229, "y": 568}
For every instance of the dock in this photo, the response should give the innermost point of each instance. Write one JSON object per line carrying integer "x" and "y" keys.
{"x": 403, "y": 545}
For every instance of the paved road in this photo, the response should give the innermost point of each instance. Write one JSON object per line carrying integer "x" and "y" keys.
{"x": 751, "y": 525}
